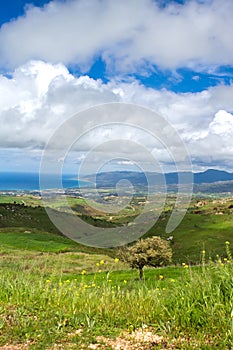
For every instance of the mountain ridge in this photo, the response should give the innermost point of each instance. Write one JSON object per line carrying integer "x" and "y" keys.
{"x": 207, "y": 177}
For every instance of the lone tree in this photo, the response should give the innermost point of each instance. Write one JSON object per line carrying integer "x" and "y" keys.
{"x": 153, "y": 251}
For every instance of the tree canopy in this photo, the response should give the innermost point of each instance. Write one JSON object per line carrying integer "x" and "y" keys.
{"x": 152, "y": 251}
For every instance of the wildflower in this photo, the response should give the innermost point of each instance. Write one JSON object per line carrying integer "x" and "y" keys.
{"x": 227, "y": 242}
{"x": 116, "y": 260}
{"x": 125, "y": 281}
{"x": 47, "y": 281}
{"x": 97, "y": 264}
{"x": 203, "y": 251}
{"x": 99, "y": 270}
{"x": 83, "y": 272}
{"x": 172, "y": 280}
{"x": 161, "y": 277}
{"x": 102, "y": 262}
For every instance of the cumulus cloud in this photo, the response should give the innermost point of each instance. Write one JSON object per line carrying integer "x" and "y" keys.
{"x": 222, "y": 124}
{"x": 127, "y": 34}
{"x": 40, "y": 96}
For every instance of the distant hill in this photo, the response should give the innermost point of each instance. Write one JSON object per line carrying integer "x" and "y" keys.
{"x": 211, "y": 175}
{"x": 210, "y": 180}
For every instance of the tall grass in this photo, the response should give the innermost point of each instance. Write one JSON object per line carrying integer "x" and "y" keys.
{"x": 198, "y": 306}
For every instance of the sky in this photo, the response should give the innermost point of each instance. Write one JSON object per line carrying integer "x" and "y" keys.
{"x": 58, "y": 58}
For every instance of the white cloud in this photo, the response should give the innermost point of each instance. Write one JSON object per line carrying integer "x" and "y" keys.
{"x": 125, "y": 162}
{"x": 222, "y": 124}
{"x": 41, "y": 96}
{"x": 128, "y": 34}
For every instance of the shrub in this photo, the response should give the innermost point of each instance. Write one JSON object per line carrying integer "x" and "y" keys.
{"x": 153, "y": 251}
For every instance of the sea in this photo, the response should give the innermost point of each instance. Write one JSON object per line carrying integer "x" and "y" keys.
{"x": 10, "y": 181}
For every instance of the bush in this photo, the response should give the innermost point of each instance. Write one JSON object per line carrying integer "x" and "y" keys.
{"x": 153, "y": 251}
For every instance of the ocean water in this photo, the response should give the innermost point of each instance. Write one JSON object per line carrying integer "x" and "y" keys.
{"x": 31, "y": 181}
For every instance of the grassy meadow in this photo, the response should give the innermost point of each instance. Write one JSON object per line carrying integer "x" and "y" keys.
{"x": 58, "y": 294}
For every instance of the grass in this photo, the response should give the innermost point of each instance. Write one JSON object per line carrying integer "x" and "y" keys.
{"x": 34, "y": 240}
{"x": 56, "y": 291}
{"x": 65, "y": 299}
{"x": 27, "y": 227}
{"x": 200, "y": 229}
{"x": 26, "y": 199}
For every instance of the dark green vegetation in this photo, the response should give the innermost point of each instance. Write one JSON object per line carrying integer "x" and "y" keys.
{"x": 207, "y": 225}
{"x": 151, "y": 251}
{"x": 56, "y": 291}
{"x": 25, "y": 226}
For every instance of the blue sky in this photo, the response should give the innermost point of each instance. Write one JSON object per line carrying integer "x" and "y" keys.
{"x": 13, "y": 9}
{"x": 184, "y": 79}
{"x": 60, "y": 57}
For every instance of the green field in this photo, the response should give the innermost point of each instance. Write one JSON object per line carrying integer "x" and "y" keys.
{"x": 206, "y": 227}
{"x": 58, "y": 294}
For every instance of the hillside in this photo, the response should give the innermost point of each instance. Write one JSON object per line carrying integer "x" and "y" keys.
{"x": 56, "y": 293}
{"x": 208, "y": 181}
{"x": 207, "y": 225}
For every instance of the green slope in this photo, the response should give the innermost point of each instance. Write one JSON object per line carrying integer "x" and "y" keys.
{"x": 207, "y": 227}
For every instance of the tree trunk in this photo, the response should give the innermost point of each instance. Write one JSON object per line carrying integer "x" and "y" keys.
{"x": 140, "y": 273}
